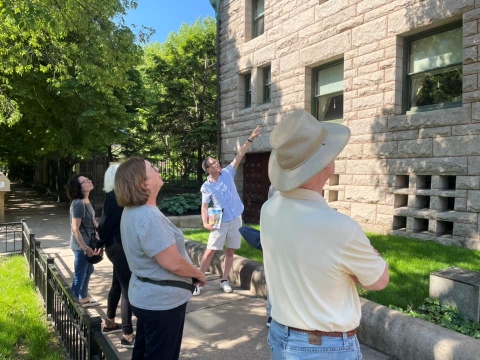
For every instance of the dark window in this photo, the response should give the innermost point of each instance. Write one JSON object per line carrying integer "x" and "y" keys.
{"x": 434, "y": 70}
{"x": 258, "y": 17}
{"x": 328, "y": 101}
{"x": 248, "y": 90}
{"x": 267, "y": 84}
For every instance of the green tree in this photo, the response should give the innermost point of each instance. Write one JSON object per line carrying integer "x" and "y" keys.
{"x": 180, "y": 82}
{"x": 66, "y": 76}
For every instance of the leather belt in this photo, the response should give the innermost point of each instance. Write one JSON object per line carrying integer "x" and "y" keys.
{"x": 324, "y": 333}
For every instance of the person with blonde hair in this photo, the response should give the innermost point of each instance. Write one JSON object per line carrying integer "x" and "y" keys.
{"x": 110, "y": 236}
{"x": 163, "y": 276}
{"x": 314, "y": 255}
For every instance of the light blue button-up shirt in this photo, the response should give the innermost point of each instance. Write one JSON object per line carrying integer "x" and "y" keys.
{"x": 223, "y": 194}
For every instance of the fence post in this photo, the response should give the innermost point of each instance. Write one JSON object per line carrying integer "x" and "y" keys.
{"x": 49, "y": 293}
{"x": 24, "y": 225}
{"x": 31, "y": 255}
{"x": 94, "y": 326}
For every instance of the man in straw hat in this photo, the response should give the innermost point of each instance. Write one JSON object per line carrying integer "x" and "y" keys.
{"x": 220, "y": 189}
{"x": 313, "y": 255}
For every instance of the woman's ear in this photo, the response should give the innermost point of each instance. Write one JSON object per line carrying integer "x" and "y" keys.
{"x": 144, "y": 186}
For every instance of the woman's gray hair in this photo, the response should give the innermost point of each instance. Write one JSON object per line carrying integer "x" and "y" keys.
{"x": 109, "y": 178}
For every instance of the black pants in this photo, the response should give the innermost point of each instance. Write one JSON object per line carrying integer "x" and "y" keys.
{"x": 159, "y": 333}
{"x": 120, "y": 280}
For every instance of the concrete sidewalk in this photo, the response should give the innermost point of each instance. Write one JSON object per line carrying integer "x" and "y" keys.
{"x": 217, "y": 326}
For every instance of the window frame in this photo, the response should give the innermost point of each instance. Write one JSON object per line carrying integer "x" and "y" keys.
{"x": 406, "y": 108}
{"x": 334, "y": 94}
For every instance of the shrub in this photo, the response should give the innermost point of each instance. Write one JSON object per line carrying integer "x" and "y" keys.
{"x": 181, "y": 204}
{"x": 444, "y": 315}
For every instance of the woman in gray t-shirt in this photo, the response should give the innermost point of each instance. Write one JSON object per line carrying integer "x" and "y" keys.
{"x": 161, "y": 269}
{"x": 83, "y": 224}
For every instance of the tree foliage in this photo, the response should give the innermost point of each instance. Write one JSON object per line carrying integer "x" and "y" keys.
{"x": 180, "y": 84}
{"x": 67, "y": 70}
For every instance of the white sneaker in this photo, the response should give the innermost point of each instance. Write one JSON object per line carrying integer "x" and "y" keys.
{"x": 225, "y": 286}
{"x": 197, "y": 291}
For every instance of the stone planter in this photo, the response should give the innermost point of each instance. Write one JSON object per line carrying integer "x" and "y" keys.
{"x": 187, "y": 221}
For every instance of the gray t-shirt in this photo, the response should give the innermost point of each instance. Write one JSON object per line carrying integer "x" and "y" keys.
{"x": 80, "y": 210}
{"x": 146, "y": 232}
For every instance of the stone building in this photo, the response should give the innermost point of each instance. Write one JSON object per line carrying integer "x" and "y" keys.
{"x": 401, "y": 74}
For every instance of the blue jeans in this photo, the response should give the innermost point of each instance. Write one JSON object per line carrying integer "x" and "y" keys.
{"x": 286, "y": 344}
{"x": 82, "y": 272}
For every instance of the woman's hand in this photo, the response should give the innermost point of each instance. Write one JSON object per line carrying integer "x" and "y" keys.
{"x": 201, "y": 279}
{"x": 98, "y": 252}
{"x": 88, "y": 251}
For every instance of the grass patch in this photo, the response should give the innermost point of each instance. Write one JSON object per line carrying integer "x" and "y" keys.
{"x": 25, "y": 333}
{"x": 410, "y": 264}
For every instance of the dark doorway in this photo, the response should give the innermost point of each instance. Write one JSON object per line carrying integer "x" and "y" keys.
{"x": 255, "y": 186}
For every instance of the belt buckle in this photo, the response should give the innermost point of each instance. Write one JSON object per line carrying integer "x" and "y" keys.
{"x": 314, "y": 339}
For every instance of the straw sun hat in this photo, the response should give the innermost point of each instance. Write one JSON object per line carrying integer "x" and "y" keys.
{"x": 302, "y": 146}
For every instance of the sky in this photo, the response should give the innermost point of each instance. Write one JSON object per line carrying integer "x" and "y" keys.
{"x": 166, "y": 16}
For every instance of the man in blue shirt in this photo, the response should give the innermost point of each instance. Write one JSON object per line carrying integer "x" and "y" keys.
{"x": 220, "y": 189}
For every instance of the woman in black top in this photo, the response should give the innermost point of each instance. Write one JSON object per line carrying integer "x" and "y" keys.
{"x": 109, "y": 231}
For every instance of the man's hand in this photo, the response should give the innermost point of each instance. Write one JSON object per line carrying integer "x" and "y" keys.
{"x": 255, "y": 133}
{"x": 209, "y": 227}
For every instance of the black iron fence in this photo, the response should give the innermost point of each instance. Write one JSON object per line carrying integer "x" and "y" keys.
{"x": 175, "y": 179}
{"x": 78, "y": 330}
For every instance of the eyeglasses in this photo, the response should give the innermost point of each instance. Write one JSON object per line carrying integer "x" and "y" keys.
{"x": 154, "y": 168}
{"x": 213, "y": 162}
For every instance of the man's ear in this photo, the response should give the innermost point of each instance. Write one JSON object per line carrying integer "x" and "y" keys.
{"x": 144, "y": 186}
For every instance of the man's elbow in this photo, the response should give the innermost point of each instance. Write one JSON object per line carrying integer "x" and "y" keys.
{"x": 381, "y": 283}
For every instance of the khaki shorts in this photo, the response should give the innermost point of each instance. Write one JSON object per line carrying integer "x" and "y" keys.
{"x": 228, "y": 235}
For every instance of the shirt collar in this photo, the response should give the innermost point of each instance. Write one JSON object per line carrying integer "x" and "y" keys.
{"x": 303, "y": 194}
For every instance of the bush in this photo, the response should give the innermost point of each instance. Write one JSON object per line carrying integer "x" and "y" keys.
{"x": 444, "y": 315}
{"x": 181, "y": 204}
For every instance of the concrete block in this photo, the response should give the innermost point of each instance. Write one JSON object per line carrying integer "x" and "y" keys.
{"x": 457, "y": 287}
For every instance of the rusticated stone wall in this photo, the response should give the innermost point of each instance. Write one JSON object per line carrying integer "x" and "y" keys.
{"x": 414, "y": 175}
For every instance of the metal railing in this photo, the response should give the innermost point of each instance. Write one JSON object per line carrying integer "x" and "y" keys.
{"x": 78, "y": 330}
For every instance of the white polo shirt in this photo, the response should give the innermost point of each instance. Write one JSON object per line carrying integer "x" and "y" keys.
{"x": 309, "y": 251}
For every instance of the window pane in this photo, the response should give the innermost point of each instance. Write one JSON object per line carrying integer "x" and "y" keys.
{"x": 437, "y": 87}
{"x": 259, "y": 8}
{"x": 330, "y": 107}
{"x": 259, "y": 26}
{"x": 436, "y": 51}
{"x": 248, "y": 91}
{"x": 330, "y": 80}
{"x": 267, "y": 79}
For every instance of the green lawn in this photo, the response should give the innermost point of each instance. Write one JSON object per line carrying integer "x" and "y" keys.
{"x": 24, "y": 331}
{"x": 410, "y": 264}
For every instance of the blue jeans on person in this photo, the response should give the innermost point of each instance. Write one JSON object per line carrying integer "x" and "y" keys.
{"x": 287, "y": 344}
{"x": 81, "y": 276}
{"x": 159, "y": 333}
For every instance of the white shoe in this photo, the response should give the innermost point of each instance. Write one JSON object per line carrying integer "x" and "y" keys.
{"x": 197, "y": 291}
{"x": 225, "y": 286}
